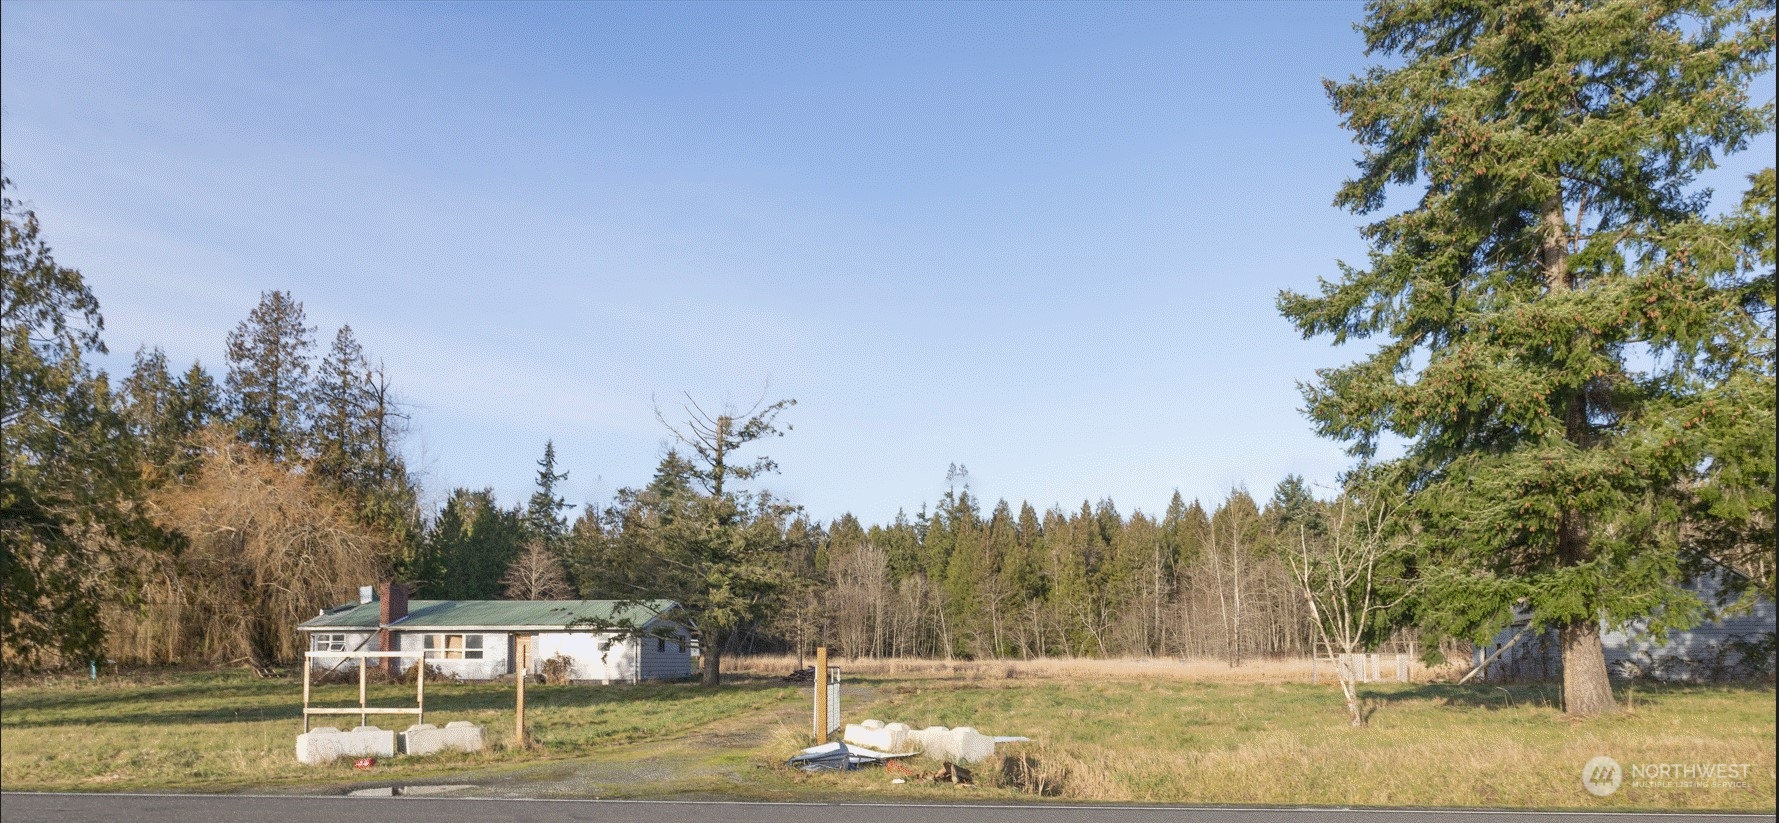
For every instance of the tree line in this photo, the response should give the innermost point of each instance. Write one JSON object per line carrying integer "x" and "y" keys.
{"x": 187, "y": 518}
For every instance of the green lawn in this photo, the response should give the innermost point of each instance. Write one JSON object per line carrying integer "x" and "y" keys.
{"x": 230, "y": 730}
{"x": 1113, "y": 739}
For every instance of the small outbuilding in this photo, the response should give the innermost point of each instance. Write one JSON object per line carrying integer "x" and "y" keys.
{"x": 590, "y": 641}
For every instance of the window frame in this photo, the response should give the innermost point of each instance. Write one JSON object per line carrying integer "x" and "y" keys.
{"x": 469, "y": 646}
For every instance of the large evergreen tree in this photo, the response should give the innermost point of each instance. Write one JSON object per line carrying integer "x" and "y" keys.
{"x": 544, "y": 512}
{"x": 471, "y": 545}
{"x": 68, "y": 495}
{"x": 1566, "y": 333}
{"x": 722, "y": 555}
{"x": 150, "y": 395}
{"x": 268, "y": 376}
{"x": 341, "y": 433}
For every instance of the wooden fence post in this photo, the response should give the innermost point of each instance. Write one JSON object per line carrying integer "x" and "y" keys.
{"x": 306, "y": 674}
{"x": 523, "y": 649}
{"x": 363, "y": 716}
{"x": 821, "y": 694}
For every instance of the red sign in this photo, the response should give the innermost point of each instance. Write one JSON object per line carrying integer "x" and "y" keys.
{"x": 364, "y": 763}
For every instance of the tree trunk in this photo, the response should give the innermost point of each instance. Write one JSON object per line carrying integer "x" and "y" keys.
{"x": 711, "y": 654}
{"x": 1355, "y": 711}
{"x": 1587, "y": 690}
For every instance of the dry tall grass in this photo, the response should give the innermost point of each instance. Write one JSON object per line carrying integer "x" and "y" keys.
{"x": 1209, "y": 670}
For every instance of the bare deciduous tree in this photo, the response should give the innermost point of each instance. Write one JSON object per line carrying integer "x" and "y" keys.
{"x": 267, "y": 548}
{"x": 536, "y": 574}
{"x": 1346, "y": 576}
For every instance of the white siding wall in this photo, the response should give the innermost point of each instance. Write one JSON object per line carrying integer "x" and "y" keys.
{"x": 592, "y": 659}
{"x": 671, "y": 664}
{"x": 623, "y": 662}
{"x": 492, "y": 665}
{"x": 355, "y": 641}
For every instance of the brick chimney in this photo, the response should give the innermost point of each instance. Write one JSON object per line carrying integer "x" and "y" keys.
{"x": 392, "y": 605}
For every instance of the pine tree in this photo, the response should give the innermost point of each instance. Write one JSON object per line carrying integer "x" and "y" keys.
{"x": 723, "y": 555}
{"x": 342, "y": 433}
{"x": 472, "y": 543}
{"x": 390, "y": 500}
{"x": 68, "y": 496}
{"x": 197, "y": 403}
{"x": 1565, "y": 331}
{"x": 999, "y": 590}
{"x": 268, "y": 376}
{"x": 1234, "y": 531}
{"x": 150, "y": 395}
{"x": 544, "y": 512}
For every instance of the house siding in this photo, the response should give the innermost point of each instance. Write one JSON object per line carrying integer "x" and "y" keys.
{"x": 1707, "y": 651}
{"x": 672, "y": 663}
{"x": 614, "y": 664}
{"x": 492, "y": 665}
{"x": 355, "y": 641}
{"x": 619, "y": 661}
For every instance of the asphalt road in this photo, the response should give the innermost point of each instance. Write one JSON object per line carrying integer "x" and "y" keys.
{"x": 163, "y": 808}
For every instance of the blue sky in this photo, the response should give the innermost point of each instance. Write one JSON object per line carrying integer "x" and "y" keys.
{"x": 1040, "y": 240}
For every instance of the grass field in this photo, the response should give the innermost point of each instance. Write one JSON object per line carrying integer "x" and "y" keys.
{"x": 1116, "y": 731}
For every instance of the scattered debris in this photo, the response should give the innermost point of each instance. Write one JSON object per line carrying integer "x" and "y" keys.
{"x": 952, "y": 773}
{"x": 840, "y": 757}
{"x": 946, "y": 773}
{"x": 860, "y": 753}
{"x": 828, "y": 757}
{"x": 364, "y": 764}
{"x": 803, "y": 675}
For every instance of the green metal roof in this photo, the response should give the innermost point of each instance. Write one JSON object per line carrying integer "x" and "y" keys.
{"x": 528, "y": 614}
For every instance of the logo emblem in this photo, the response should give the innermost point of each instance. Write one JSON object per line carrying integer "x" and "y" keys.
{"x": 1601, "y": 776}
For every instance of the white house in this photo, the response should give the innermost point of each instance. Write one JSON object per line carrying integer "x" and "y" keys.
{"x": 601, "y": 641}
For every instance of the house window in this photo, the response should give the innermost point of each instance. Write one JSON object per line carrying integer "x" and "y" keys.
{"x": 455, "y": 646}
{"x": 660, "y": 644}
{"x": 679, "y": 644}
{"x": 327, "y": 642}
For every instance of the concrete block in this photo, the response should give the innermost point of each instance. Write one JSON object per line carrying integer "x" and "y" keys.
{"x": 881, "y": 738}
{"x": 368, "y": 741}
{"x": 935, "y": 742}
{"x": 458, "y": 735}
{"x": 872, "y": 724}
{"x": 971, "y": 746}
{"x": 315, "y": 746}
{"x": 327, "y": 744}
{"x": 960, "y": 745}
